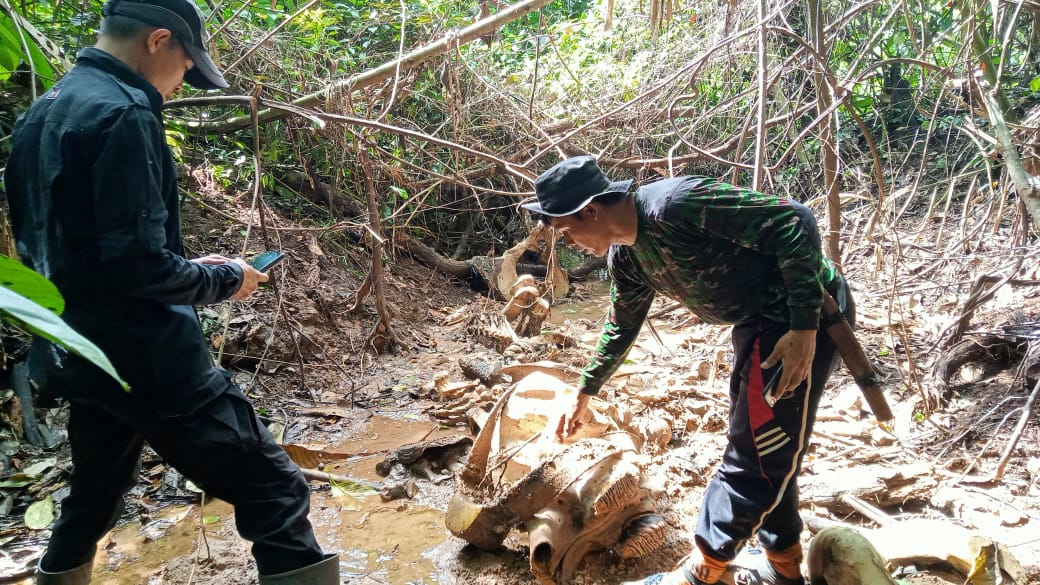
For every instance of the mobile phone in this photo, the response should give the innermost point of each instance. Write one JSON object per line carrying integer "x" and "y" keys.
{"x": 266, "y": 260}
{"x": 769, "y": 392}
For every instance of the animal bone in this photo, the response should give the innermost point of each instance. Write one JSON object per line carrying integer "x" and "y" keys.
{"x": 447, "y": 389}
{"x": 573, "y": 498}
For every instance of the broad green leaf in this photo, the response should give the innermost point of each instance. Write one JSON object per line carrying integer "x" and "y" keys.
{"x": 351, "y": 488}
{"x": 30, "y": 284}
{"x": 44, "y": 70}
{"x": 1034, "y": 83}
{"x": 8, "y": 59}
{"x": 210, "y": 519}
{"x": 40, "y": 514}
{"x": 35, "y": 319}
{"x": 10, "y": 39}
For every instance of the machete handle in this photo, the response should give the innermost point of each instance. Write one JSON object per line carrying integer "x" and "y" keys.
{"x": 856, "y": 359}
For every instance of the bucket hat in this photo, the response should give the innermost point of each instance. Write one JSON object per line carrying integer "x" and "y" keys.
{"x": 184, "y": 19}
{"x": 568, "y": 186}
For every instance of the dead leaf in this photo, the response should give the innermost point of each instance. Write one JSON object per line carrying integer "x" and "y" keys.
{"x": 986, "y": 570}
{"x": 40, "y": 467}
{"x": 312, "y": 458}
{"x": 327, "y": 411}
{"x": 314, "y": 248}
{"x": 40, "y": 514}
{"x": 240, "y": 319}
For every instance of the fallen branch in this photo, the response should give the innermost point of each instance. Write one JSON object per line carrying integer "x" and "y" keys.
{"x": 976, "y": 298}
{"x": 873, "y": 512}
{"x": 1015, "y": 436}
{"x": 332, "y": 478}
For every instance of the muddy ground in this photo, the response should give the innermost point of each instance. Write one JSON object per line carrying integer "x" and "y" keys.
{"x": 343, "y": 401}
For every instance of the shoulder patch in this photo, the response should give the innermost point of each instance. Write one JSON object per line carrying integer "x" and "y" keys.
{"x": 54, "y": 92}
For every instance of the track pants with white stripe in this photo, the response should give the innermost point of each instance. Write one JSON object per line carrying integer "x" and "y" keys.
{"x": 755, "y": 489}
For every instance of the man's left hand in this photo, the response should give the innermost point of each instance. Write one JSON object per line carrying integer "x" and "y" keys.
{"x": 251, "y": 279}
{"x": 795, "y": 350}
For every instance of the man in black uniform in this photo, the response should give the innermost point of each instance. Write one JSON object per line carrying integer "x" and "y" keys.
{"x": 93, "y": 194}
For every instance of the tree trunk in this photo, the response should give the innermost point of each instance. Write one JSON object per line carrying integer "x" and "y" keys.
{"x": 317, "y": 192}
{"x": 763, "y": 97}
{"x": 829, "y": 151}
{"x": 1026, "y": 185}
{"x": 7, "y": 245}
{"x": 382, "y": 337}
{"x": 429, "y": 257}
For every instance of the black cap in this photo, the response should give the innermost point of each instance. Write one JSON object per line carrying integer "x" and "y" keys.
{"x": 184, "y": 19}
{"x": 570, "y": 185}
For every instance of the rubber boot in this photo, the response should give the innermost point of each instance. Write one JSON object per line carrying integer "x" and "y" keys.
{"x": 77, "y": 576}
{"x": 325, "y": 572}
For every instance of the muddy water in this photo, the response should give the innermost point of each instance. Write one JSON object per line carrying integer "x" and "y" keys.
{"x": 592, "y": 307}
{"x": 388, "y": 542}
{"x": 398, "y": 542}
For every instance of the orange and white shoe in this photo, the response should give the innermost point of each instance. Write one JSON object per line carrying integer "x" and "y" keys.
{"x": 751, "y": 567}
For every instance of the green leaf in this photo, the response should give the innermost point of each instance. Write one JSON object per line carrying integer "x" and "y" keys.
{"x": 40, "y": 514}
{"x": 8, "y": 59}
{"x": 35, "y": 319}
{"x": 1034, "y": 83}
{"x": 210, "y": 519}
{"x": 352, "y": 488}
{"x": 12, "y": 40}
{"x": 30, "y": 284}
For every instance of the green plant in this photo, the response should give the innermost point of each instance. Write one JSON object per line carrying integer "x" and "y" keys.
{"x": 14, "y": 44}
{"x": 32, "y": 303}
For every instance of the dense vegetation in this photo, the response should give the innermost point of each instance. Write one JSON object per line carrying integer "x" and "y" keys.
{"x": 359, "y": 125}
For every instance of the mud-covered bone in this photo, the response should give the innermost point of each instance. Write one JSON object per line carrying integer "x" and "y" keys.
{"x": 526, "y": 310}
{"x": 572, "y": 498}
{"x": 436, "y": 452}
{"x": 641, "y": 535}
{"x": 475, "y": 368}
{"x": 398, "y": 489}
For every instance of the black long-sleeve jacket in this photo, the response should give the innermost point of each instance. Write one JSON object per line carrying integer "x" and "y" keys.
{"x": 92, "y": 188}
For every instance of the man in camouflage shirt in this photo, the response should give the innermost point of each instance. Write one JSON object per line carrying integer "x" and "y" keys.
{"x": 732, "y": 256}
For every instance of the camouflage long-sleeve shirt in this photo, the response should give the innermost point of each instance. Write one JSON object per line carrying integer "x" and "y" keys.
{"x": 731, "y": 255}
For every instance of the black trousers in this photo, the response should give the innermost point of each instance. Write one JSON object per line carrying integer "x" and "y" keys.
{"x": 222, "y": 447}
{"x": 755, "y": 489}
